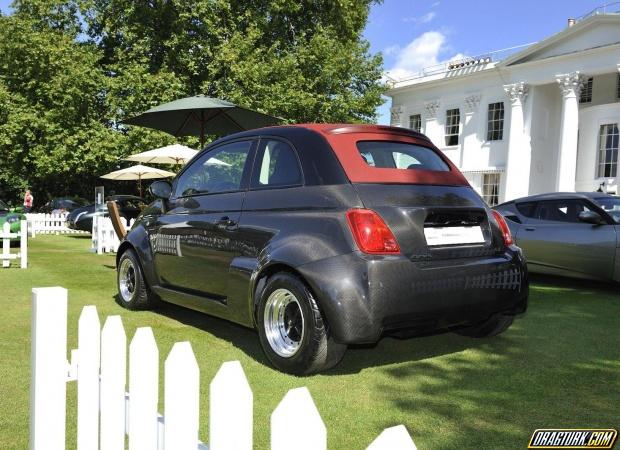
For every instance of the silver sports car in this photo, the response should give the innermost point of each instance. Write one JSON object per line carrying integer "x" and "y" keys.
{"x": 568, "y": 234}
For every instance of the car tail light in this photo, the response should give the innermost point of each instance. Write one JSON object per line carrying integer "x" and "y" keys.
{"x": 503, "y": 226}
{"x": 371, "y": 233}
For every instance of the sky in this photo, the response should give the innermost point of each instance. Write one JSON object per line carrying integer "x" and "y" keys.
{"x": 413, "y": 34}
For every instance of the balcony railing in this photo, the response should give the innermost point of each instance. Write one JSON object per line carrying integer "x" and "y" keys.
{"x": 607, "y": 8}
{"x": 462, "y": 63}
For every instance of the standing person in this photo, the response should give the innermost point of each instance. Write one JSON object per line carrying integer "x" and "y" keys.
{"x": 28, "y": 201}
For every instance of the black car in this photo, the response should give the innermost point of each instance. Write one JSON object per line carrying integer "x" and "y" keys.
{"x": 320, "y": 236}
{"x": 129, "y": 206}
{"x": 62, "y": 205}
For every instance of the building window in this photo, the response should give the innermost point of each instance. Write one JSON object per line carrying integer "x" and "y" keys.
{"x": 586, "y": 91}
{"x": 495, "y": 122}
{"x": 618, "y": 87}
{"x": 453, "y": 119}
{"x": 415, "y": 122}
{"x": 490, "y": 188}
{"x": 608, "y": 150}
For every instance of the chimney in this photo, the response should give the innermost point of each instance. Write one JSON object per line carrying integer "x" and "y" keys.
{"x": 571, "y": 22}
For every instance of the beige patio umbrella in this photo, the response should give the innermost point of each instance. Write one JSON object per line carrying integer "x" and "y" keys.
{"x": 138, "y": 172}
{"x": 170, "y": 154}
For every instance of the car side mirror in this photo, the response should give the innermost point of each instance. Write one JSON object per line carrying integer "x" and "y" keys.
{"x": 161, "y": 189}
{"x": 591, "y": 217}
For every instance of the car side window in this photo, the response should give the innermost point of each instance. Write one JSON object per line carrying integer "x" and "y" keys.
{"x": 218, "y": 170}
{"x": 526, "y": 208}
{"x": 276, "y": 165}
{"x": 561, "y": 210}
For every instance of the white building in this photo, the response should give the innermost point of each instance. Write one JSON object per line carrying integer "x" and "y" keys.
{"x": 543, "y": 119}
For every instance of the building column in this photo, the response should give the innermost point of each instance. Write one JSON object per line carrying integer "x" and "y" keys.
{"x": 469, "y": 135}
{"x": 570, "y": 85}
{"x": 396, "y": 116}
{"x": 432, "y": 129}
{"x": 519, "y": 147}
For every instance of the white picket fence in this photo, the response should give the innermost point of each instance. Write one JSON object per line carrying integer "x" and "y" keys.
{"x": 104, "y": 238}
{"x": 5, "y": 237}
{"x": 106, "y": 413}
{"x": 49, "y": 224}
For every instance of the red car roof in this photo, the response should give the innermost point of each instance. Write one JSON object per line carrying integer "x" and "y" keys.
{"x": 342, "y": 128}
{"x": 343, "y": 139}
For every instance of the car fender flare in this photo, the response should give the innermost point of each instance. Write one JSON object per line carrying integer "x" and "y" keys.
{"x": 137, "y": 240}
{"x": 286, "y": 258}
{"x": 257, "y": 280}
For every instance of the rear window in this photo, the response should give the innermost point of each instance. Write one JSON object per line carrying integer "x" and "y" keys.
{"x": 400, "y": 155}
{"x": 380, "y": 157}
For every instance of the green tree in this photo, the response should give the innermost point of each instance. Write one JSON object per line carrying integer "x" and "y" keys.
{"x": 58, "y": 131}
{"x": 57, "y": 15}
{"x": 323, "y": 80}
{"x": 299, "y": 60}
{"x": 71, "y": 71}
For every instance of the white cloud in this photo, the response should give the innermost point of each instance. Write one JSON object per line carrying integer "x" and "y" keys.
{"x": 424, "y": 51}
{"x": 391, "y": 50}
{"x": 458, "y": 57}
{"x": 426, "y": 18}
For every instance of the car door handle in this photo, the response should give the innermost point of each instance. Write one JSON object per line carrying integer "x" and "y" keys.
{"x": 225, "y": 222}
{"x": 530, "y": 228}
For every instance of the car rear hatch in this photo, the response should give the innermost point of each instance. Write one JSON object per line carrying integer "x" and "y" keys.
{"x": 426, "y": 202}
{"x": 433, "y": 222}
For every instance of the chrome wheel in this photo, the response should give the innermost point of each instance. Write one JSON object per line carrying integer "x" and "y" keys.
{"x": 284, "y": 322}
{"x": 127, "y": 280}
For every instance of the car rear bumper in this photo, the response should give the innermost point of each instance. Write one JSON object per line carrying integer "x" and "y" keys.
{"x": 364, "y": 296}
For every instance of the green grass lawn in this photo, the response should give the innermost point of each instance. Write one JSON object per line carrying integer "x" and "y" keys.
{"x": 559, "y": 366}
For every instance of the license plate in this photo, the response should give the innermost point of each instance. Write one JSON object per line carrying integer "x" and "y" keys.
{"x": 453, "y": 235}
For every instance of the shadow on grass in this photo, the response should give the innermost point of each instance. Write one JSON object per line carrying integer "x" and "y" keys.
{"x": 79, "y": 236}
{"x": 241, "y": 337}
{"x": 566, "y": 325}
{"x": 558, "y": 366}
{"x": 385, "y": 352}
{"x": 573, "y": 283}
{"x": 390, "y": 351}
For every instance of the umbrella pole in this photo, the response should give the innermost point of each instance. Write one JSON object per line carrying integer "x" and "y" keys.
{"x": 140, "y": 184}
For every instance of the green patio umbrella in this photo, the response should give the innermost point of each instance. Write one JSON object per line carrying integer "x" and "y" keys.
{"x": 200, "y": 115}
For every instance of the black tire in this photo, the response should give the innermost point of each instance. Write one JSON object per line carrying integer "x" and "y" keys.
{"x": 317, "y": 350}
{"x": 133, "y": 293}
{"x": 493, "y": 326}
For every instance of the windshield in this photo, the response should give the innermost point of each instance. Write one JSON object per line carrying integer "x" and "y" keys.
{"x": 3, "y": 206}
{"x": 611, "y": 205}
